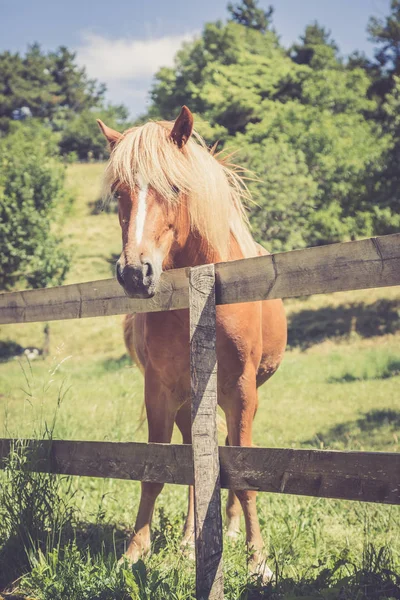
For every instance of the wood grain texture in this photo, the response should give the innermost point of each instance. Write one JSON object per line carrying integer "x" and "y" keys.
{"x": 203, "y": 380}
{"x": 374, "y": 262}
{"x": 363, "y": 476}
{"x": 92, "y": 299}
{"x": 157, "y": 463}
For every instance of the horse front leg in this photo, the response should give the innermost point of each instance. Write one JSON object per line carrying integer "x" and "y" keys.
{"x": 160, "y": 417}
{"x": 240, "y": 410}
{"x": 183, "y": 421}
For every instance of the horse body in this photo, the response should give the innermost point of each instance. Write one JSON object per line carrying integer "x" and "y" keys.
{"x": 251, "y": 337}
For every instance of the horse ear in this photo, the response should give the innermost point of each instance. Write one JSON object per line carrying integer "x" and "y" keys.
{"x": 111, "y": 135}
{"x": 183, "y": 127}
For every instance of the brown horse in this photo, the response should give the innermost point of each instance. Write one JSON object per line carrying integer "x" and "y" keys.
{"x": 181, "y": 206}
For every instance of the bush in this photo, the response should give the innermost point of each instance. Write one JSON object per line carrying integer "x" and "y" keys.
{"x": 32, "y": 199}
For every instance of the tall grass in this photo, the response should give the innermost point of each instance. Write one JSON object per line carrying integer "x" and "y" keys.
{"x": 36, "y": 512}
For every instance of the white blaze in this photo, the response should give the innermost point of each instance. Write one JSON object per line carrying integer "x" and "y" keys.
{"x": 141, "y": 212}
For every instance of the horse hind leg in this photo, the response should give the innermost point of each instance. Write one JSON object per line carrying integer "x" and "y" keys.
{"x": 183, "y": 421}
{"x": 233, "y": 512}
{"x": 240, "y": 414}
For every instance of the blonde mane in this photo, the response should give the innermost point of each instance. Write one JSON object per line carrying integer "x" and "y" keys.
{"x": 215, "y": 191}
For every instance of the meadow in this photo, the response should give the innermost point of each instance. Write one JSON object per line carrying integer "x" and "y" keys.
{"x": 337, "y": 388}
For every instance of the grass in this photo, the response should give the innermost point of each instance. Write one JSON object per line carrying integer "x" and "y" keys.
{"x": 94, "y": 238}
{"x": 338, "y": 388}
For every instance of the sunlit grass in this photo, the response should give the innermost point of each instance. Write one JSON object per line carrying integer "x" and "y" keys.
{"x": 338, "y": 391}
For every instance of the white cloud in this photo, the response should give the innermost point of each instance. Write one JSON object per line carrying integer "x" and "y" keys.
{"x": 127, "y": 66}
{"x": 110, "y": 59}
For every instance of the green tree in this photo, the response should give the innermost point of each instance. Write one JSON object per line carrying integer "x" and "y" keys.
{"x": 299, "y": 125}
{"x": 222, "y": 76}
{"x": 284, "y": 193}
{"x": 385, "y": 179}
{"x": 247, "y": 13}
{"x": 317, "y": 49}
{"x": 25, "y": 82}
{"x": 47, "y": 84}
{"x": 75, "y": 90}
{"x": 32, "y": 196}
{"x": 385, "y": 33}
{"x": 328, "y": 155}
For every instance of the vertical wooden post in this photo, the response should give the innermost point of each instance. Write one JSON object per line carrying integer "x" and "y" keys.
{"x": 203, "y": 374}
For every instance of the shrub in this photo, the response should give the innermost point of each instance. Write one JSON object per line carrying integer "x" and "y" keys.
{"x": 32, "y": 199}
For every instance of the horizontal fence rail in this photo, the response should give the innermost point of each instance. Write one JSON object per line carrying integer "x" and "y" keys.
{"x": 374, "y": 262}
{"x": 362, "y": 476}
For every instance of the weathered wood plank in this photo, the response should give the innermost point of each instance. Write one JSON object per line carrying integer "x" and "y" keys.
{"x": 364, "y": 264}
{"x": 203, "y": 379}
{"x": 157, "y": 463}
{"x": 363, "y": 476}
{"x": 374, "y": 262}
{"x": 92, "y": 299}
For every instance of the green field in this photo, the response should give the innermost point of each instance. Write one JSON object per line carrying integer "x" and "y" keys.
{"x": 337, "y": 388}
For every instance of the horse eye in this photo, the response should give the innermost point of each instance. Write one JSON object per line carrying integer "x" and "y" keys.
{"x": 175, "y": 189}
{"x": 116, "y": 195}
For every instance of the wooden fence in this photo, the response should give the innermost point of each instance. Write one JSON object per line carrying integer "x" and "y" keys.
{"x": 365, "y": 476}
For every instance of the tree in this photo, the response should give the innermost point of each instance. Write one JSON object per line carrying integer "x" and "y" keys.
{"x": 386, "y": 34}
{"x": 47, "y": 84}
{"x": 298, "y": 123}
{"x": 315, "y": 187}
{"x": 53, "y": 88}
{"x": 385, "y": 176}
{"x": 25, "y": 83}
{"x": 284, "y": 193}
{"x": 317, "y": 49}
{"x": 222, "y": 76}
{"x": 32, "y": 196}
{"x": 75, "y": 90}
{"x": 248, "y": 14}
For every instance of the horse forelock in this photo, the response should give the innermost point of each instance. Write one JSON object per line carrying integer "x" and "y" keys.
{"x": 213, "y": 189}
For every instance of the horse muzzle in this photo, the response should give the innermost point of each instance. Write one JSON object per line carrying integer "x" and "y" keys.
{"x": 138, "y": 281}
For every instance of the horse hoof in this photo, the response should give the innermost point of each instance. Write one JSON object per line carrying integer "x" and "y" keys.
{"x": 259, "y": 568}
{"x": 188, "y": 549}
{"x": 131, "y": 556}
{"x": 126, "y": 561}
{"x": 233, "y": 535}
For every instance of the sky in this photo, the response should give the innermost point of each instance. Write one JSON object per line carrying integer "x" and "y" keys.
{"x": 122, "y": 43}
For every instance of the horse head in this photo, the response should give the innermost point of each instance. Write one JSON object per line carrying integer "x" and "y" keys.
{"x": 179, "y": 204}
{"x": 152, "y": 223}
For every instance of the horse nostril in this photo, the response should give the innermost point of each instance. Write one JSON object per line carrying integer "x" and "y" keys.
{"x": 118, "y": 270}
{"x": 147, "y": 269}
